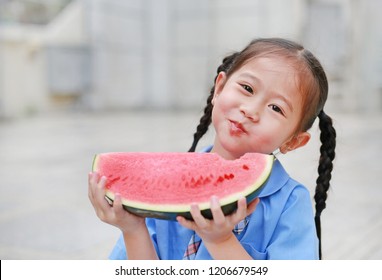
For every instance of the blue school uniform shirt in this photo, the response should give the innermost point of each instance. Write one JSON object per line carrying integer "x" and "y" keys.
{"x": 281, "y": 227}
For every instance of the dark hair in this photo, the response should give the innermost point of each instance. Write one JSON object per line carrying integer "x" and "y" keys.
{"x": 314, "y": 89}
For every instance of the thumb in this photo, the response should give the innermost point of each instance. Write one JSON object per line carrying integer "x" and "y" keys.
{"x": 117, "y": 205}
{"x": 252, "y": 205}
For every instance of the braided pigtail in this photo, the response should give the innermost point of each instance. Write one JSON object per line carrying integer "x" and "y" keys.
{"x": 328, "y": 140}
{"x": 206, "y": 119}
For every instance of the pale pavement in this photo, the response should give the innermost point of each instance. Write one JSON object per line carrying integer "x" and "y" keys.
{"x": 44, "y": 162}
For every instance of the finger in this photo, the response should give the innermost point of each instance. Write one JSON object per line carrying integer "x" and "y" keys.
{"x": 252, "y": 206}
{"x": 216, "y": 211}
{"x": 94, "y": 182}
{"x": 117, "y": 204}
{"x": 94, "y": 178}
{"x": 186, "y": 223}
{"x": 90, "y": 191}
{"x": 100, "y": 192}
{"x": 199, "y": 220}
{"x": 92, "y": 185}
{"x": 241, "y": 211}
{"x": 100, "y": 187}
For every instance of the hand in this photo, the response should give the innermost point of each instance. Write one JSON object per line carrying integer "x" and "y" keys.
{"x": 112, "y": 214}
{"x": 219, "y": 229}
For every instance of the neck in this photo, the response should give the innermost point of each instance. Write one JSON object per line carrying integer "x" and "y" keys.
{"x": 217, "y": 148}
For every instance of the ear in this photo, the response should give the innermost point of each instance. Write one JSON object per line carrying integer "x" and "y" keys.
{"x": 295, "y": 142}
{"x": 219, "y": 85}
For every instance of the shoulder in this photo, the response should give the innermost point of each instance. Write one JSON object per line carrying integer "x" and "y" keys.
{"x": 284, "y": 191}
{"x": 206, "y": 149}
{"x": 279, "y": 180}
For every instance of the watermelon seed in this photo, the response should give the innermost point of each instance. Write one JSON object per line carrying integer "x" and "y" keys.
{"x": 220, "y": 179}
{"x": 245, "y": 167}
{"x": 206, "y": 181}
{"x": 113, "y": 180}
{"x": 229, "y": 176}
{"x": 199, "y": 181}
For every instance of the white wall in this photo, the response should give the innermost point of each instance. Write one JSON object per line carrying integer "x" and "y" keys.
{"x": 22, "y": 77}
{"x": 364, "y": 74}
{"x": 168, "y": 50}
{"x": 26, "y": 84}
{"x": 164, "y": 53}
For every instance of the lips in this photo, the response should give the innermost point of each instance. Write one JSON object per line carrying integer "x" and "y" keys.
{"x": 236, "y": 128}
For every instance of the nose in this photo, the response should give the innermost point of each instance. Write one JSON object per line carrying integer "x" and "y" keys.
{"x": 250, "y": 112}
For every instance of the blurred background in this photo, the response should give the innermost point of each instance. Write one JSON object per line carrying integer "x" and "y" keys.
{"x": 79, "y": 77}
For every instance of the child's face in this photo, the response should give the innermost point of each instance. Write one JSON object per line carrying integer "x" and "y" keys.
{"x": 257, "y": 109}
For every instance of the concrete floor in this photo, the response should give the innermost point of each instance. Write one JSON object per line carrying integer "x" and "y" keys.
{"x": 44, "y": 162}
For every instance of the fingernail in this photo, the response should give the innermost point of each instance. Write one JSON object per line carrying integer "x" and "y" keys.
{"x": 194, "y": 207}
{"x": 215, "y": 199}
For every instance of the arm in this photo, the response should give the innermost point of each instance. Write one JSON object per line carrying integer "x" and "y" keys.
{"x": 139, "y": 245}
{"x": 137, "y": 240}
{"x": 217, "y": 234}
{"x": 229, "y": 249}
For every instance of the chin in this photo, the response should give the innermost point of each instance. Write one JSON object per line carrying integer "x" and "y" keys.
{"x": 233, "y": 152}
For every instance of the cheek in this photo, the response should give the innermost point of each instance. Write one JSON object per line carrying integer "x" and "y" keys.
{"x": 218, "y": 109}
{"x": 225, "y": 101}
{"x": 216, "y": 116}
{"x": 269, "y": 138}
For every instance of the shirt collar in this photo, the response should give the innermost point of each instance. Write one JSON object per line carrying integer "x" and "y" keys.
{"x": 277, "y": 179}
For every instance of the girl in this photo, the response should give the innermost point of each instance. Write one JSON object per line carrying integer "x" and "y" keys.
{"x": 264, "y": 99}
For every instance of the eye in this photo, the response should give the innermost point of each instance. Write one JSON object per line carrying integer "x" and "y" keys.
{"x": 276, "y": 108}
{"x": 247, "y": 88}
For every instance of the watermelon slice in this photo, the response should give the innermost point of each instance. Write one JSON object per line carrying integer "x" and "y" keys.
{"x": 164, "y": 185}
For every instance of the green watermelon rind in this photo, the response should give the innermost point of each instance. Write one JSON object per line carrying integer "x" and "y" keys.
{"x": 171, "y": 215}
{"x": 171, "y": 211}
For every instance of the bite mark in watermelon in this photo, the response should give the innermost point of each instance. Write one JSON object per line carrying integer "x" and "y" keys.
{"x": 164, "y": 185}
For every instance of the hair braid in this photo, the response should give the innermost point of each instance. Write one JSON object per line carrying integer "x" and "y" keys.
{"x": 325, "y": 167}
{"x": 205, "y": 120}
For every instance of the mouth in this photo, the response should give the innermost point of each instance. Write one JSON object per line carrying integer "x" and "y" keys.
{"x": 237, "y": 127}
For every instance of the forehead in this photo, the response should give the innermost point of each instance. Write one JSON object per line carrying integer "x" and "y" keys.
{"x": 271, "y": 65}
{"x": 273, "y": 72}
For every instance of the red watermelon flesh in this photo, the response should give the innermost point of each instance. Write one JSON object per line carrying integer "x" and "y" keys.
{"x": 164, "y": 185}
